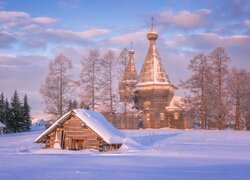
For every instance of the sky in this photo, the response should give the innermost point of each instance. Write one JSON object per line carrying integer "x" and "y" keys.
{"x": 34, "y": 32}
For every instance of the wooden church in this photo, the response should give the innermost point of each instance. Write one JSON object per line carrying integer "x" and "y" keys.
{"x": 82, "y": 129}
{"x": 151, "y": 94}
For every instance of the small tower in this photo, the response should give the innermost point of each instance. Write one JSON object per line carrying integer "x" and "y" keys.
{"x": 129, "y": 80}
{"x": 154, "y": 89}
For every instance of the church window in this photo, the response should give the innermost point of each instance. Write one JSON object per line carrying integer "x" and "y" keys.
{"x": 147, "y": 105}
{"x": 162, "y": 116}
{"x": 176, "y": 115}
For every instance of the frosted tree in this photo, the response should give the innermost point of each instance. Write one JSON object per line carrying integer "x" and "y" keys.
{"x": 90, "y": 80}
{"x": 72, "y": 105}
{"x": 220, "y": 61}
{"x": 7, "y": 115}
{"x": 56, "y": 88}
{"x": 109, "y": 65}
{"x": 26, "y": 113}
{"x": 123, "y": 60}
{"x": 17, "y": 122}
{"x": 247, "y": 103}
{"x": 2, "y": 109}
{"x": 199, "y": 86}
{"x": 238, "y": 88}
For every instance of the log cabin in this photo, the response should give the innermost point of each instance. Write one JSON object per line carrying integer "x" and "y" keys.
{"x": 82, "y": 129}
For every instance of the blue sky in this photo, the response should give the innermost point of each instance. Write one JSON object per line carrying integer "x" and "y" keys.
{"x": 33, "y": 32}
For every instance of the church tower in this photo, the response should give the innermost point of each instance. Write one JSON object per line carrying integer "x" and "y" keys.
{"x": 154, "y": 89}
{"x": 129, "y": 80}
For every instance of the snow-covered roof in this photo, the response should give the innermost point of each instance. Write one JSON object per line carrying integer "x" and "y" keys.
{"x": 2, "y": 125}
{"x": 130, "y": 73}
{"x": 176, "y": 103}
{"x": 153, "y": 71}
{"x": 39, "y": 121}
{"x": 94, "y": 120}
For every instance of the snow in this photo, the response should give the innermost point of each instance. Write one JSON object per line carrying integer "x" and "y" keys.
{"x": 176, "y": 103}
{"x": 96, "y": 121}
{"x": 152, "y": 83}
{"x": 38, "y": 125}
{"x": 146, "y": 154}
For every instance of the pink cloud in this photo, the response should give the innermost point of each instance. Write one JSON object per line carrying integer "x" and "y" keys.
{"x": 44, "y": 20}
{"x": 13, "y": 19}
{"x": 247, "y": 23}
{"x": 237, "y": 46}
{"x": 8, "y": 15}
{"x": 209, "y": 40}
{"x": 10, "y": 19}
{"x": 74, "y": 35}
{"x": 138, "y": 36}
{"x": 94, "y": 32}
{"x": 184, "y": 19}
{"x": 6, "y": 39}
{"x": 24, "y": 73}
{"x": 6, "y": 57}
{"x": 29, "y": 31}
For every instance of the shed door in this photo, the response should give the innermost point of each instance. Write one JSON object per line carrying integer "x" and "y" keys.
{"x": 77, "y": 144}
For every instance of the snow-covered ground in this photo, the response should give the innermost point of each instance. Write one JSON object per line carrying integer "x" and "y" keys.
{"x": 146, "y": 154}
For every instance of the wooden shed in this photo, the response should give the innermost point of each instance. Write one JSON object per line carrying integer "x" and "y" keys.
{"x": 82, "y": 129}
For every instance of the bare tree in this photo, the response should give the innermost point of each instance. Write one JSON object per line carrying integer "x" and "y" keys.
{"x": 89, "y": 79}
{"x": 198, "y": 85}
{"x": 55, "y": 89}
{"x": 123, "y": 60}
{"x": 238, "y": 88}
{"x": 247, "y": 103}
{"x": 220, "y": 61}
{"x": 109, "y": 94}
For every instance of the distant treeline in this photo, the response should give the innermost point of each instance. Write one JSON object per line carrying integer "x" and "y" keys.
{"x": 16, "y": 114}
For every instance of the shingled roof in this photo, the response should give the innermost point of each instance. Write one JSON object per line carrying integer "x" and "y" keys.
{"x": 153, "y": 71}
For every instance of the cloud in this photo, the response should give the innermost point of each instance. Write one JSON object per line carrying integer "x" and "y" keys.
{"x": 32, "y": 33}
{"x": 6, "y": 39}
{"x": 25, "y": 74}
{"x": 10, "y": 15}
{"x": 66, "y": 4}
{"x": 11, "y": 60}
{"x": 12, "y": 19}
{"x": 138, "y": 36}
{"x": 72, "y": 36}
{"x": 44, "y": 20}
{"x": 247, "y": 23}
{"x": 209, "y": 40}
{"x": 184, "y": 19}
{"x": 6, "y": 58}
{"x": 237, "y": 46}
{"x": 2, "y": 4}
{"x": 233, "y": 9}
{"x": 19, "y": 19}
